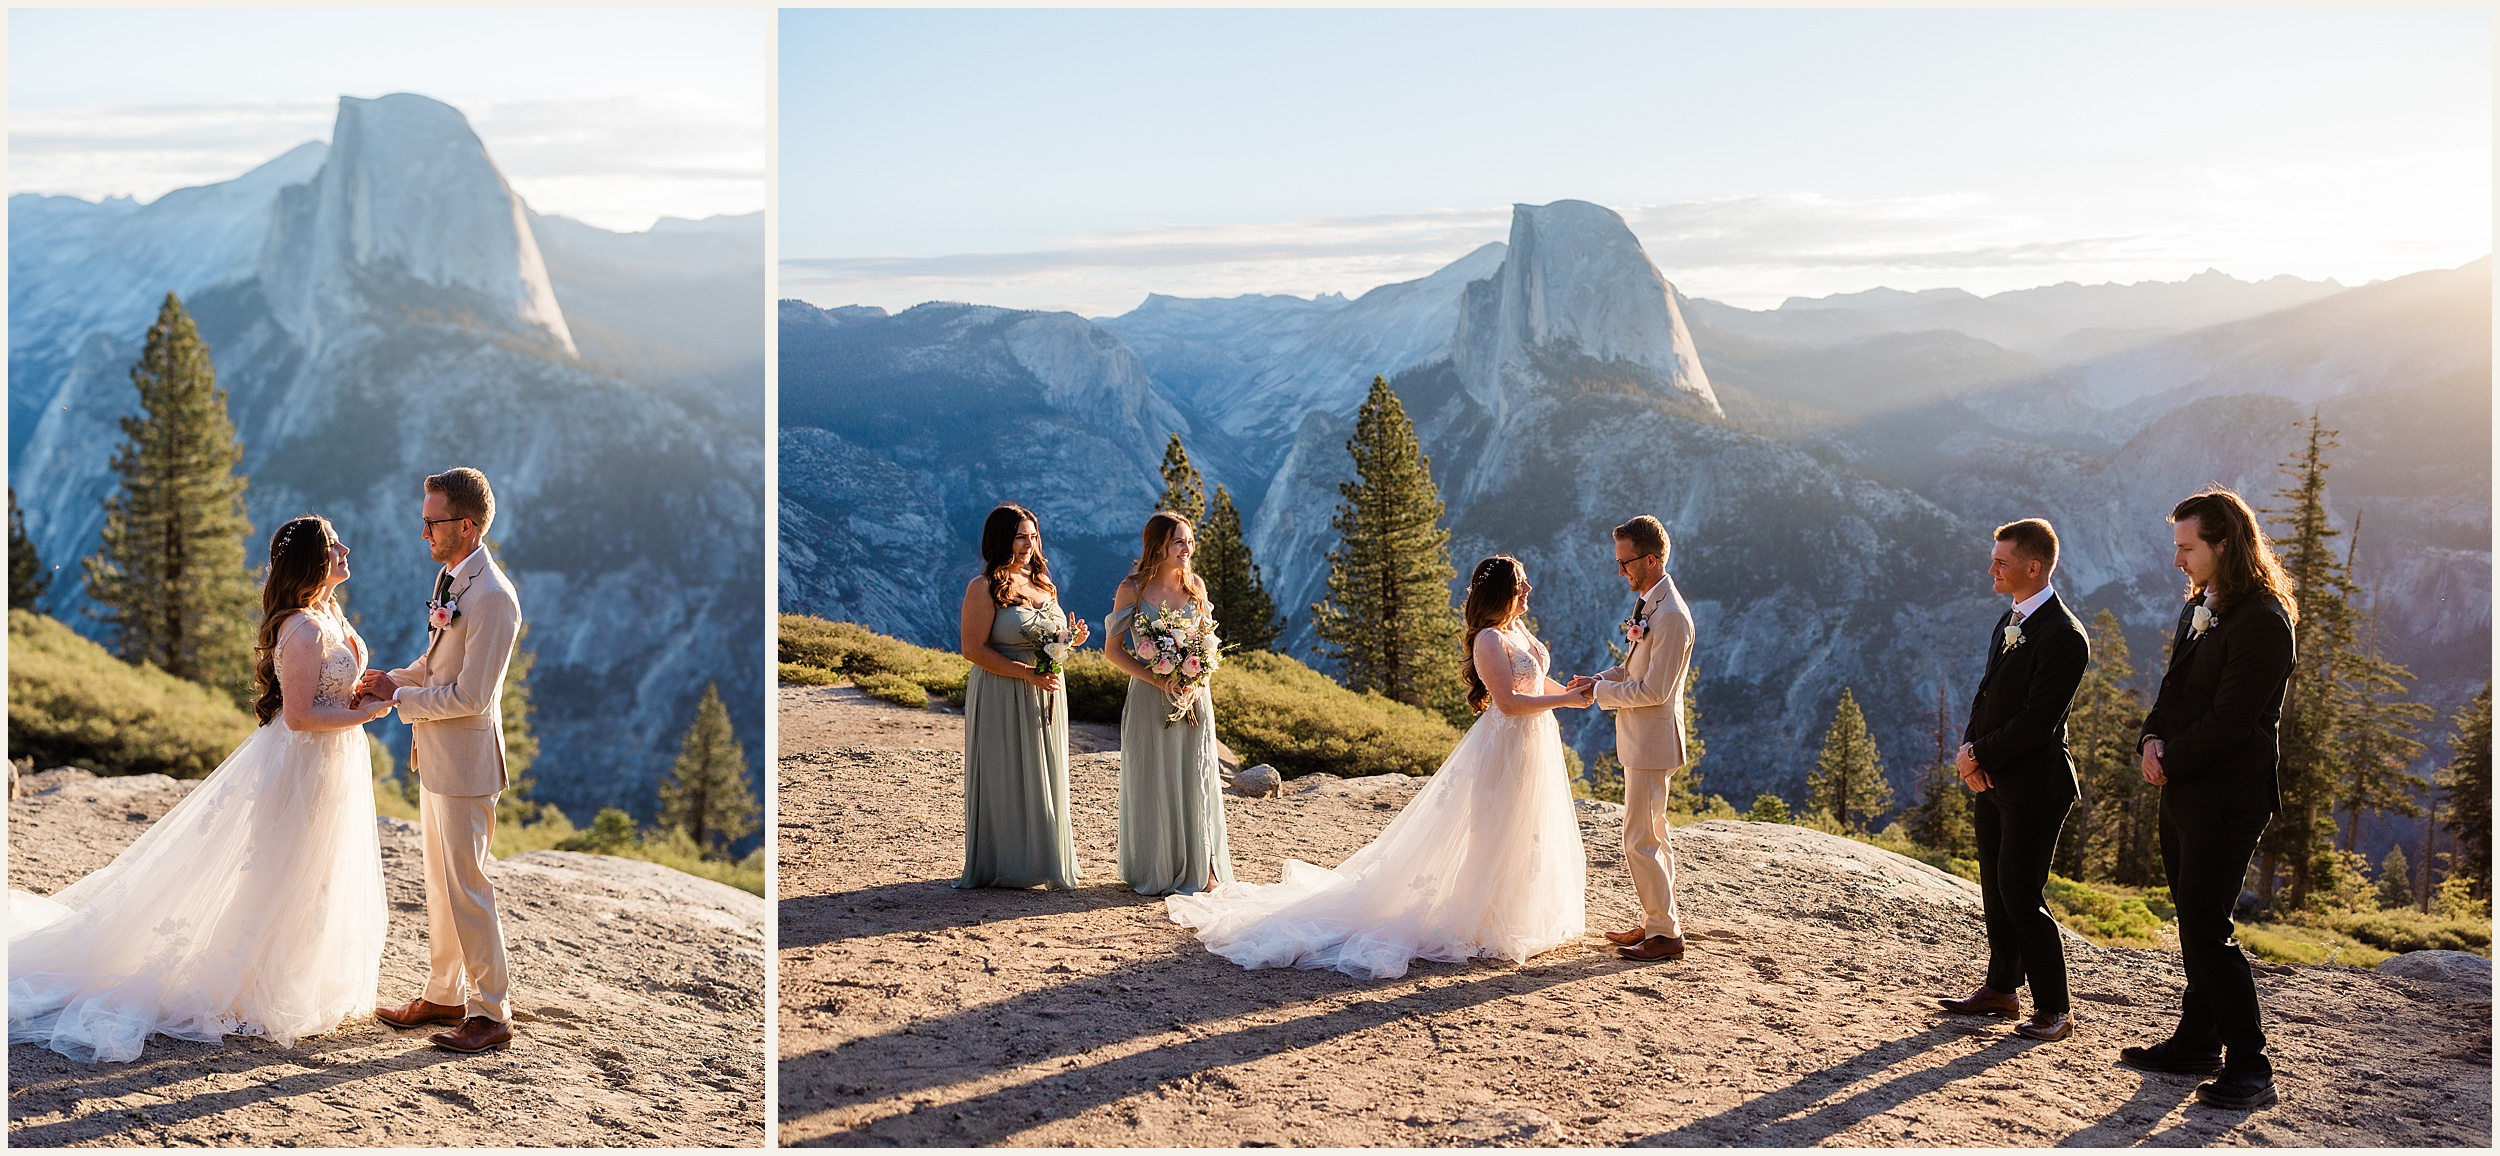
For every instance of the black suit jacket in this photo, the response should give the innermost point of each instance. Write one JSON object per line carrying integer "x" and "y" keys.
{"x": 2221, "y": 701}
{"x": 2017, "y": 725}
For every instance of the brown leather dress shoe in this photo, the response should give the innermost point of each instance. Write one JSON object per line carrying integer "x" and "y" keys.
{"x": 2046, "y": 1026}
{"x": 417, "y": 1013}
{"x": 1986, "y": 1001}
{"x": 1654, "y": 948}
{"x": 1627, "y": 938}
{"x": 476, "y": 1034}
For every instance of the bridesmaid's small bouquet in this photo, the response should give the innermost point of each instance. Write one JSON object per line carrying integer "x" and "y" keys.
{"x": 1179, "y": 645}
{"x": 1051, "y": 636}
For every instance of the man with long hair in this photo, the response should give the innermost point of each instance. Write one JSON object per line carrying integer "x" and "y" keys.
{"x": 2210, "y": 744}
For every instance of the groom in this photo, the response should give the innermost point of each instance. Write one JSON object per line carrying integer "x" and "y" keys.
{"x": 2014, "y": 755}
{"x": 1646, "y": 693}
{"x": 452, "y": 697}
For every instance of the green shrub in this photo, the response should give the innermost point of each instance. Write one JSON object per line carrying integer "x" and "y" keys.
{"x": 2405, "y": 930}
{"x": 1097, "y": 691}
{"x": 850, "y": 650}
{"x": 2295, "y": 943}
{"x": 2124, "y": 920}
{"x": 72, "y": 703}
{"x": 801, "y": 674}
{"x": 612, "y": 832}
{"x": 1768, "y": 809}
{"x": 1272, "y": 709}
{"x": 893, "y": 688}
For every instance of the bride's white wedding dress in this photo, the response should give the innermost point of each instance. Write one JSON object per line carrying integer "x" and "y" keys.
{"x": 254, "y": 907}
{"x": 1486, "y": 861}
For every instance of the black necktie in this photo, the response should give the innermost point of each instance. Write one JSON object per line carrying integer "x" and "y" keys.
{"x": 442, "y": 586}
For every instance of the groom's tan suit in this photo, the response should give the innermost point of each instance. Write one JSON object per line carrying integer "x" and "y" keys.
{"x": 1647, "y": 695}
{"x": 452, "y": 699}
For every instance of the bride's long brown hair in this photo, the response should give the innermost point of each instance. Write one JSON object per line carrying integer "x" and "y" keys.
{"x": 299, "y": 558}
{"x": 1491, "y": 592}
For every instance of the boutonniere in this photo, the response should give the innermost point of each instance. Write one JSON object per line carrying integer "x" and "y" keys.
{"x": 2200, "y": 620}
{"x": 440, "y": 614}
{"x": 2013, "y": 635}
{"x": 1635, "y": 628}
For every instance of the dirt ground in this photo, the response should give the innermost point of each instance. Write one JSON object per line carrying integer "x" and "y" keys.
{"x": 915, "y": 1014}
{"x": 638, "y": 998}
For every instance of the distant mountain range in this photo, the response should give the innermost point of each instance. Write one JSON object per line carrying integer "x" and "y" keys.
{"x": 384, "y": 306}
{"x": 1829, "y": 469}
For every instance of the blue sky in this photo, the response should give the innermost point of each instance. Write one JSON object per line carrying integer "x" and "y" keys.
{"x": 612, "y": 116}
{"x": 1079, "y": 159}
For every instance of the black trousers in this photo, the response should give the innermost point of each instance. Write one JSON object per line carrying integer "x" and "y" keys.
{"x": 2015, "y": 846}
{"x": 2205, "y": 853}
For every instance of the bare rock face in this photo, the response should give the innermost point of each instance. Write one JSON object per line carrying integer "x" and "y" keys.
{"x": 637, "y": 996}
{"x": 2458, "y": 967}
{"x": 1259, "y": 782}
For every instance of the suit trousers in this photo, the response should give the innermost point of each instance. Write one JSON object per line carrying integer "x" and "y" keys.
{"x": 2204, "y": 854}
{"x": 2016, "y": 843}
{"x": 462, "y": 927}
{"x": 1647, "y": 852}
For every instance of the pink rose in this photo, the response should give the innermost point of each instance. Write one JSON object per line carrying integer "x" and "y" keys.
{"x": 1190, "y": 668}
{"x": 1163, "y": 666}
{"x": 438, "y": 617}
{"x": 1145, "y": 651}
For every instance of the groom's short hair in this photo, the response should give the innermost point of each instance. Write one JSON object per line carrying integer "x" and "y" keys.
{"x": 1646, "y": 535}
{"x": 466, "y": 494}
{"x": 2033, "y": 538}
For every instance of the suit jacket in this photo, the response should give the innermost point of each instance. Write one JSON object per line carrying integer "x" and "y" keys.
{"x": 1647, "y": 691}
{"x": 2017, "y": 726}
{"x": 452, "y": 696}
{"x": 2220, "y": 704}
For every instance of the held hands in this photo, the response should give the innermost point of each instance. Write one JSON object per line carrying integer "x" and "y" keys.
{"x": 2152, "y": 768}
{"x": 1583, "y": 686}
{"x": 1966, "y": 764}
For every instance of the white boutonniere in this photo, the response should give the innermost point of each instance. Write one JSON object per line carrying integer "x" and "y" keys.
{"x": 2013, "y": 635}
{"x": 2200, "y": 620}
{"x": 439, "y": 614}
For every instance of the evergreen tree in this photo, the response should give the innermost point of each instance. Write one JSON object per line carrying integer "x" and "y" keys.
{"x": 1602, "y": 779}
{"x": 27, "y": 579}
{"x": 2378, "y": 743}
{"x": 171, "y": 578}
{"x": 1184, "y": 492}
{"x": 2315, "y": 708}
{"x": 2395, "y": 880}
{"x": 706, "y": 795}
{"x": 2466, "y": 783}
{"x": 1941, "y": 820}
{"x": 1768, "y": 809}
{"x": 1684, "y": 787}
{"x": 1848, "y": 781}
{"x": 1244, "y": 612}
{"x": 1388, "y": 614}
{"x": 2115, "y": 826}
{"x": 520, "y": 745}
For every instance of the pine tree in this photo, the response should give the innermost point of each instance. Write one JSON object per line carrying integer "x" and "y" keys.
{"x": 1388, "y": 614}
{"x": 1848, "y": 781}
{"x": 1767, "y": 809}
{"x": 2395, "y": 880}
{"x": 1941, "y": 820}
{"x": 2466, "y": 783}
{"x": 520, "y": 745}
{"x": 2115, "y": 825}
{"x": 2315, "y": 709}
{"x": 27, "y": 579}
{"x": 706, "y": 795}
{"x": 171, "y": 578}
{"x": 2378, "y": 742}
{"x": 1243, "y": 610}
{"x": 1684, "y": 787}
{"x": 1184, "y": 492}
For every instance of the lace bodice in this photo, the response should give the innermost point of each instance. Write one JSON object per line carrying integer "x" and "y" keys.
{"x": 342, "y": 655}
{"x": 1528, "y": 660}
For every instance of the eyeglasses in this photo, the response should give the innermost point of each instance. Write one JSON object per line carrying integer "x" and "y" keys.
{"x": 1624, "y": 565}
{"x": 430, "y": 523}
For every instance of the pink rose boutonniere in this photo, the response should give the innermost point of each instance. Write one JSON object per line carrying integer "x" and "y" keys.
{"x": 1635, "y": 629}
{"x": 439, "y": 614}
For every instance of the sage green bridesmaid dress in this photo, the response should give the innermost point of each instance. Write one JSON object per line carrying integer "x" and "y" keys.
{"x": 1171, "y": 791}
{"x": 1017, "y": 827}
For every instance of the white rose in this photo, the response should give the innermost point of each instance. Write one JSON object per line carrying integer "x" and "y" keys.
{"x": 2200, "y": 620}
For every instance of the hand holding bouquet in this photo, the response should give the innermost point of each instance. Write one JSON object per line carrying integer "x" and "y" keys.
{"x": 1180, "y": 646}
{"x": 1053, "y": 637}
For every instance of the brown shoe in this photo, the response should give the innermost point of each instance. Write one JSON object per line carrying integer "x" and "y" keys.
{"x": 1627, "y": 938}
{"x": 2046, "y": 1026}
{"x": 476, "y": 1034}
{"x": 417, "y": 1013}
{"x": 1986, "y": 1001}
{"x": 1654, "y": 948}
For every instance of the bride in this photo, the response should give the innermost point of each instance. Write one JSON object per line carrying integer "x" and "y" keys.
{"x": 255, "y": 906}
{"x": 1486, "y": 861}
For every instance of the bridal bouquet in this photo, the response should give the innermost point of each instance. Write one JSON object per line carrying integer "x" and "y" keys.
{"x": 1179, "y": 645}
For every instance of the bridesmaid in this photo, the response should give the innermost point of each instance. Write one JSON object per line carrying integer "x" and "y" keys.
{"x": 1017, "y": 828}
{"x": 1171, "y": 792}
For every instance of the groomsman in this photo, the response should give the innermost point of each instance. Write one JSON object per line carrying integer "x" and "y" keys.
{"x": 2210, "y": 744}
{"x": 2014, "y": 755}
